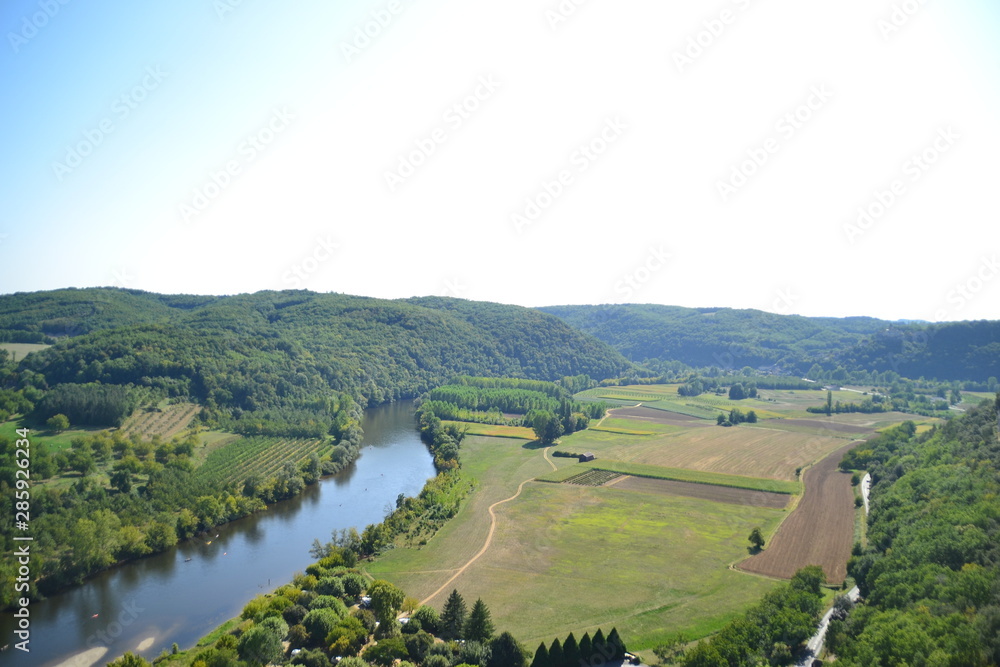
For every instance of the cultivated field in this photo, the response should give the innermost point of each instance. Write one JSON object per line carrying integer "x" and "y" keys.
{"x": 568, "y": 557}
{"x": 741, "y": 450}
{"x": 644, "y": 536}
{"x": 166, "y": 421}
{"x": 675, "y": 474}
{"x": 819, "y": 532}
{"x": 713, "y": 492}
{"x": 237, "y": 460}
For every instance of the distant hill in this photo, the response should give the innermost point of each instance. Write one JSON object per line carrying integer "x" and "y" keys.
{"x": 731, "y": 338}
{"x": 280, "y": 351}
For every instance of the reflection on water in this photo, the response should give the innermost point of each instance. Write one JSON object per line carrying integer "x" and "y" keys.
{"x": 172, "y": 599}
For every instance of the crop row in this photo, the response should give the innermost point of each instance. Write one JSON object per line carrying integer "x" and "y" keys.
{"x": 593, "y": 478}
{"x": 258, "y": 455}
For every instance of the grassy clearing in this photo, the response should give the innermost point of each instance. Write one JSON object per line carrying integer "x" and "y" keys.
{"x": 495, "y": 430}
{"x": 21, "y": 350}
{"x": 54, "y": 442}
{"x": 676, "y": 474}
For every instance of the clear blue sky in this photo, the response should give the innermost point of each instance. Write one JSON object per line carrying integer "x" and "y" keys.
{"x": 506, "y": 152}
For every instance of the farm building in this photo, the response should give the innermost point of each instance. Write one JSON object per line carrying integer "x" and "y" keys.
{"x": 586, "y": 457}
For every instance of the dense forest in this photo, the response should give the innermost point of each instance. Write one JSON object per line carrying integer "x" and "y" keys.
{"x": 729, "y": 338}
{"x": 268, "y": 363}
{"x": 930, "y": 575}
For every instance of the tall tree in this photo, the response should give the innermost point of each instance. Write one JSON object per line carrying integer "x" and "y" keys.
{"x": 453, "y": 616}
{"x": 598, "y": 645}
{"x": 756, "y": 539}
{"x": 506, "y": 652}
{"x": 571, "y": 652}
{"x": 616, "y": 644}
{"x": 541, "y": 658}
{"x": 546, "y": 426}
{"x": 387, "y": 599}
{"x": 556, "y": 653}
{"x": 586, "y": 648}
{"x": 479, "y": 627}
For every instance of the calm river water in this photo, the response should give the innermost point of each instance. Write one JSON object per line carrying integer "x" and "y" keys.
{"x": 172, "y": 599}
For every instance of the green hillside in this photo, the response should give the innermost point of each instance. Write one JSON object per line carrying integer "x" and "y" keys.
{"x": 272, "y": 358}
{"x": 731, "y": 339}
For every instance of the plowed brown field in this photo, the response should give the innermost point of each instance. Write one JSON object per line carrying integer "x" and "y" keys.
{"x": 819, "y": 532}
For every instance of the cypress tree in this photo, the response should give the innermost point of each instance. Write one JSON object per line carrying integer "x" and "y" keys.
{"x": 556, "y": 653}
{"x": 616, "y": 644}
{"x": 453, "y": 616}
{"x": 479, "y": 627}
{"x": 586, "y": 648}
{"x": 571, "y": 652}
{"x": 541, "y": 658}
{"x": 599, "y": 648}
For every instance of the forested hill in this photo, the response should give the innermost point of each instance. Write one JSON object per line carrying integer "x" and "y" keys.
{"x": 283, "y": 351}
{"x": 930, "y": 575}
{"x": 731, "y": 338}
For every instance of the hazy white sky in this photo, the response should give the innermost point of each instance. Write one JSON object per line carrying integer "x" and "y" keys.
{"x": 685, "y": 153}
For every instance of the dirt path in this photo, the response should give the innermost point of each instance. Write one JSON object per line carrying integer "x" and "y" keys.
{"x": 486, "y": 545}
{"x": 545, "y": 455}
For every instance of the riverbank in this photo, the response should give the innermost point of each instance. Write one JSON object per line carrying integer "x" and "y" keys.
{"x": 182, "y": 594}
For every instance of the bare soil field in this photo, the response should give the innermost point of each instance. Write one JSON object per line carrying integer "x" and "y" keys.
{"x": 822, "y": 424}
{"x": 659, "y": 416}
{"x": 819, "y": 532}
{"x": 722, "y": 494}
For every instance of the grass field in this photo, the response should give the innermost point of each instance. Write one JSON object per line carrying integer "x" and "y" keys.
{"x": 573, "y": 558}
{"x": 495, "y": 430}
{"x": 54, "y": 442}
{"x": 20, "y": 350}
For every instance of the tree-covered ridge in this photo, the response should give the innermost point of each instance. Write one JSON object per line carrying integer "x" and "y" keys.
{"x": 731, "y": 339}
{"x": 278, "y": 355}
{"x": 44, "y": 317}
{"x": 722, "y": 337}
{"x": 930, "y": 576}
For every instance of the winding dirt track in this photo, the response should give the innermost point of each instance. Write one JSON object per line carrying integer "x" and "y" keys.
{"x": 486, "y": 545}
{"x": 819, "y": 532}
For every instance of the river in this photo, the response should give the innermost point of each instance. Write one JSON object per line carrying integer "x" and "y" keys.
{"x": 184, "y": 593}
